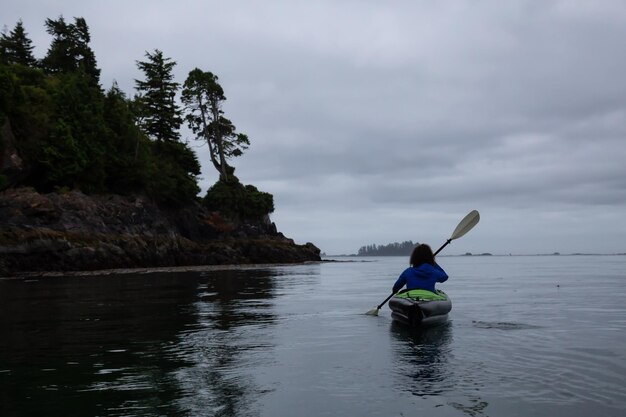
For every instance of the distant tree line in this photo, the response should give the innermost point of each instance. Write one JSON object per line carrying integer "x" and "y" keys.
{"x": 72, "y": 134}
{"x": 391, "y": 249}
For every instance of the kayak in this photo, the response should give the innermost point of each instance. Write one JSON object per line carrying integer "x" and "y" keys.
{"x": 418, "y": 308}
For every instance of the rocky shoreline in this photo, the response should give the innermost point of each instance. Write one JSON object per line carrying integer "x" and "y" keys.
{"x": 75, "y": 232}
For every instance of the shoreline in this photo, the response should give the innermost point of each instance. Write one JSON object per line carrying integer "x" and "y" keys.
{"x": 77, "y": 232}
{"x": 151, "y": 270}
{"x": 164, "y": 269}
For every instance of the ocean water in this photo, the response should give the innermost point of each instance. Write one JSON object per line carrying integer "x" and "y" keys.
{"x": 527, "y": 336}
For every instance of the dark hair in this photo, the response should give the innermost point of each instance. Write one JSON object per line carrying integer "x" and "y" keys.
{"x": 422, "y": 254}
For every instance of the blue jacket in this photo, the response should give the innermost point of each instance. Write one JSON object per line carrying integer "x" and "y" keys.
{"x": 423, "y": 277}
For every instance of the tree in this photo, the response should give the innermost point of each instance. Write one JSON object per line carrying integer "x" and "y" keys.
{"x": 392, "y": 249}
{"x": 26, "y": 105}
{"x": 127, "y": 148}
{"x": 70, "y": 51}
{"x": 79, "y": 134}
{"x": 173, "y": 181}
{"x": 17, "y": 48}
{"x": 237, "y": 201}
{"x": 158, "y": 114}
{"x": 203, "y": 97}
{"x": 71, "y": 135}
{"x": 176, "y": 165}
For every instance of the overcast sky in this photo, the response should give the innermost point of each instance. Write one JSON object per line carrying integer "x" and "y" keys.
{"x": 376, "y": 122}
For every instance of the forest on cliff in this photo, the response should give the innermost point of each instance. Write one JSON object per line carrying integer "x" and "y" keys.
{"x": 60, "y": 130}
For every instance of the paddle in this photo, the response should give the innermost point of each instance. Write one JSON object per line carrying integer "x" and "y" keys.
{"x": 462, "y": 228}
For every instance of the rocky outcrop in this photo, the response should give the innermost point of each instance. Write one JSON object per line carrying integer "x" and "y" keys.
{"x": 72, "y": 231}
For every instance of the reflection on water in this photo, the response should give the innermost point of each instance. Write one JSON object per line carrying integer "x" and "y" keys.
{"x": 234, "y": 315}
{"x": 502, "y": 325}
{"x": 426, "y": 368}
{"x": 475, "y": 408}
{"x": 73, "y": 341}
{"x": 293, "y": 341}
{"x": 422, "y": 358}
{"x": 126, "y": 345}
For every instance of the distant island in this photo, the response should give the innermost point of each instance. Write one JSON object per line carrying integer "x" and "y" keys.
{"x": 391, "y": 249}
{"x": 405, "y": 248}
{"x": 93, "y": 179}
{"x": 469, "y": 254}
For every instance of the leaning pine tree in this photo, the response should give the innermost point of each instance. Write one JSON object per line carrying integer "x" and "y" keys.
{"x": 203, "y": 97}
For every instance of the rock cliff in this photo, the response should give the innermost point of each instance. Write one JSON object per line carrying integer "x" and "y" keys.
{"x": 73, "y": 231}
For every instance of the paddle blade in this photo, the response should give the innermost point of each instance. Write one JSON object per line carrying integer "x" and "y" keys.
{"x": 466, "y": 224}
{"x": 373, "y": 312}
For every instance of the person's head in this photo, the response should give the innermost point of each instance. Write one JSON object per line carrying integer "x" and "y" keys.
{"x": 422, "y": 254}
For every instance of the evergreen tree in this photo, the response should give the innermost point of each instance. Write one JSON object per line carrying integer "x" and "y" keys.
{"x": 203, "y": 97}
{"x": 158, "y": 114}
{"x": 26, "y": 105}
{"x": 237, "y": 201}
{"x": 75, "y": 154}
{"x": 16, "y": 48}
{"x": 79, "y": 136}
{"x": 70, "y": 50}
{"x": 127, "y": 149}
{"x": 176, "y": 165}
{"x": 173, "y": 180}
{"x": 70, "y": 135}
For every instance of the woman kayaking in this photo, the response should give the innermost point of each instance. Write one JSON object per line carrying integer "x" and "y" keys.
{"x": 421, "y": 277}
{"x": 423, "y": 272}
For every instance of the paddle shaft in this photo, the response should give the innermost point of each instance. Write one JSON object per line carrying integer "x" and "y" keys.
{"x": 386, "y": 299}
{"x": 442, "y": 246}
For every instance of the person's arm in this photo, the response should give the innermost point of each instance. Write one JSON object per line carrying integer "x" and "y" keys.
{"x": 440, "y": 273}
{"x": 400, "y": 282}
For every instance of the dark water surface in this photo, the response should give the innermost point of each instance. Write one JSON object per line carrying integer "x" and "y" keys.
{"x": 527, "y": 336}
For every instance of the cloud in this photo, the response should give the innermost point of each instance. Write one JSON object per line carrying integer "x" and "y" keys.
{"x": 375, "y": 122}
